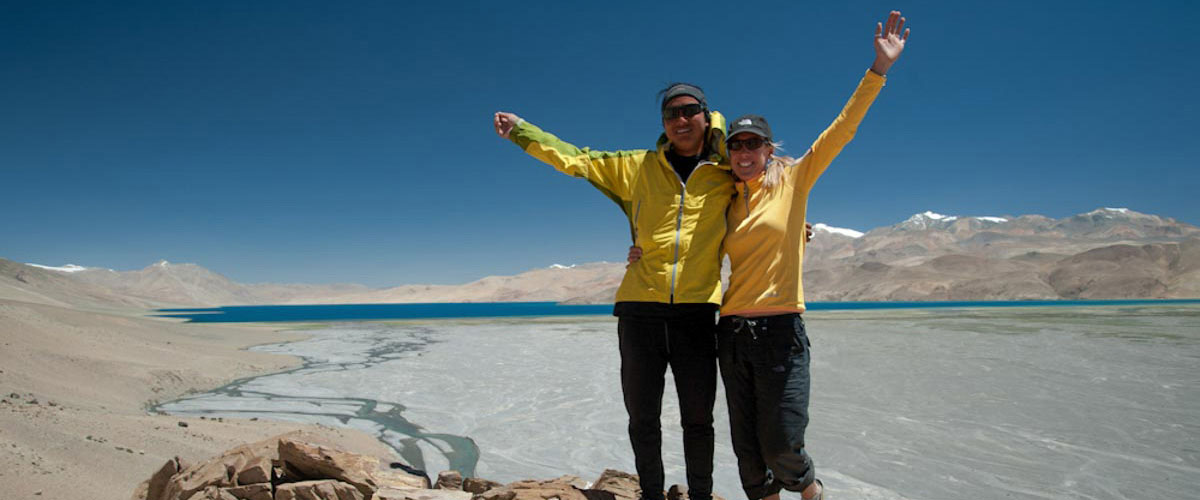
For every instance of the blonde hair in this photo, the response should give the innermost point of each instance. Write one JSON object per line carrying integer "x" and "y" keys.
{"x": 773, "y": 175}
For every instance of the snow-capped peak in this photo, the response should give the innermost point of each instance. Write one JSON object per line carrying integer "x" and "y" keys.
{"x": 924, "y": 219}
{"x": 935, "y": 216}
{"x": 1110, "y": 212}
{"x": 560, "y": 266}
{"x": 69, "y": 268}
{"x": 821, "y": 226}
{"x": 997, "y": 220}
{"x": 161, "y": 263}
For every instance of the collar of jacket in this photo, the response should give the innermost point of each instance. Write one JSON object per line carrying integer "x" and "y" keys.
{"x": 714, "y": 141}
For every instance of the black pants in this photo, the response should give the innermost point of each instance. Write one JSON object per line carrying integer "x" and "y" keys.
{"x": 764, "y": 365}
{"x": 688, "y": 346}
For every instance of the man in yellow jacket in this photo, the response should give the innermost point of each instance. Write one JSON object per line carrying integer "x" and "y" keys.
{"x": 675, "y": 197}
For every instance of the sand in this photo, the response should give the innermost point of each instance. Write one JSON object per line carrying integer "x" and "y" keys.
{"x": 75, "y": 385}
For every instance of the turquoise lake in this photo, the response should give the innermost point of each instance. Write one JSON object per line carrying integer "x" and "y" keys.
{"x": 368, "y": 312}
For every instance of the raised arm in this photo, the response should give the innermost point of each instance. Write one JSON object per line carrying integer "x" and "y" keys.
{"x": 611, "y": 172}
{"x": 889, "y": 44}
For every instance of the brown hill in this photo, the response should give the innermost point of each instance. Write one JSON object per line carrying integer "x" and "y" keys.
{"x": 1106, "y": 253}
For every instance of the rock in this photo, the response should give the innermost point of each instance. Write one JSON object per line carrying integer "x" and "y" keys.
{"x": 677, "y": 492}
{"x": 157, "y": 484}
{"x": 212, "y": 493}
{"x": 558, "y": 482}
{"x": 182, "y": 424}
{"x": 622, "y": 485}
{"x": 257, "y": 470}
{"x": 223, "y": 471}
{"x": 327, "y": 489}
{"x": 449, "y": 480}
{"x": 479, "y": 485}
{"x": 562, "y": 488}
{"x": 365, "y": 473}
{"x": 260, "y": 491}
{"x": 420, "y": 494}
{"x": 501, "y": 493}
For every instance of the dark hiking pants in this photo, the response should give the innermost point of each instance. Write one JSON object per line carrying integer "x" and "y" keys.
{"x": 764, "y": 365}
{"x": 688, "y": 346}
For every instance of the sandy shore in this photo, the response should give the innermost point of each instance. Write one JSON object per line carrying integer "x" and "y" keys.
{"x": 74, "y": 386}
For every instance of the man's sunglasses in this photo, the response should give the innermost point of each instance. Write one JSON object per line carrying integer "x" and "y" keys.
{"x": 750, "y": 144}
{"x": 686, "y": 111}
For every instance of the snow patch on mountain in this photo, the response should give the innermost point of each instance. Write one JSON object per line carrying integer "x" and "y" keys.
{"x": 937, "y": 216}
{"x": 820, "y": 226}
{"x": 69, "y": 268}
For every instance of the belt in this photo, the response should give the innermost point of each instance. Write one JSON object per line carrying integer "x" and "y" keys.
{"x": 761, "y": 323}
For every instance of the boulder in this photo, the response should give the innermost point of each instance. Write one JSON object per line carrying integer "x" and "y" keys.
{"x": 562, "y": 488}
{"x": 479, "y": 485}
{"x": 622, "y": 485}
{"x": 212, "y": 493}
{"x": 420, "y": 494}
{"x": 449, "y": 480}
{"x": 261, "y": 491}
{"x": 256, "y": 470}
{"x": 223, "y": 471}
{"x": 677, "y": 492}
{"x": 309, "y": 461}
{"x": 153, "y": 488}
{"x": 327, "y": 489}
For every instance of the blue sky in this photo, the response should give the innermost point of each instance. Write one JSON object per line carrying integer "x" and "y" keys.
{"x": 312, "y": 142}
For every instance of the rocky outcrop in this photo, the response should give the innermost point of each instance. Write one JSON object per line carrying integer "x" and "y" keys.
{"x": 285, "y": 468}
{"x": 277, "y": 468}
{"x": 365, "y": 473}
{"x": 328, "y": 489}
{"x": 449, "y": 480}
{"x": 621, "y": 485}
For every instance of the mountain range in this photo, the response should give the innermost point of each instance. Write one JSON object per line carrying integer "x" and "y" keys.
{"x": 1108, "y": 253}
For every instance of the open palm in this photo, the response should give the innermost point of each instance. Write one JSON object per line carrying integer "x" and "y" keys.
{"x": 889, "y": 41}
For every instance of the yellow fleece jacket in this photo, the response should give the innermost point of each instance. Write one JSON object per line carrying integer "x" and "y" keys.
{"x": 678, "y": 225}
{"x": 765, "y": 239}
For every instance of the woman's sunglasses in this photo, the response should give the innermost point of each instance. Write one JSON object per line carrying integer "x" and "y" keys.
{"x": 750, "y": 144}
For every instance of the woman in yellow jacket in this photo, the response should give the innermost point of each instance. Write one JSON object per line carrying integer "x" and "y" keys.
{"x": 763, "y": 349}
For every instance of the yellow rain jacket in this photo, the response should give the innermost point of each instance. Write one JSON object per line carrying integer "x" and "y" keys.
{"x": 678, "y": 225}
{"x": 766, "y": 227}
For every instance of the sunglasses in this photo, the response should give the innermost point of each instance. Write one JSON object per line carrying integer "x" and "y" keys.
{"x": 750, "y": 144}
{"x": 686, "y": 111}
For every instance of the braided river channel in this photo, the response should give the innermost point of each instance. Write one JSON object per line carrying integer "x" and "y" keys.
{"x": 1000, "y": 403}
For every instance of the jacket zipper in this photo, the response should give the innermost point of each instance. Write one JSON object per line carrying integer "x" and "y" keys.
{"x": 679, "y": 221}
{"x": 678, "y": 226}
{"x": 636, "y": 212}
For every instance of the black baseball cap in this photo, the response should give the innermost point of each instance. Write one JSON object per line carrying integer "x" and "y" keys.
{"x": 753, "y": 124}
{"x": 687, "y": 89}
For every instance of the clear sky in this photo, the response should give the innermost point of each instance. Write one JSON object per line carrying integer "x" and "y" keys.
{"x": 312, "y": 142}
